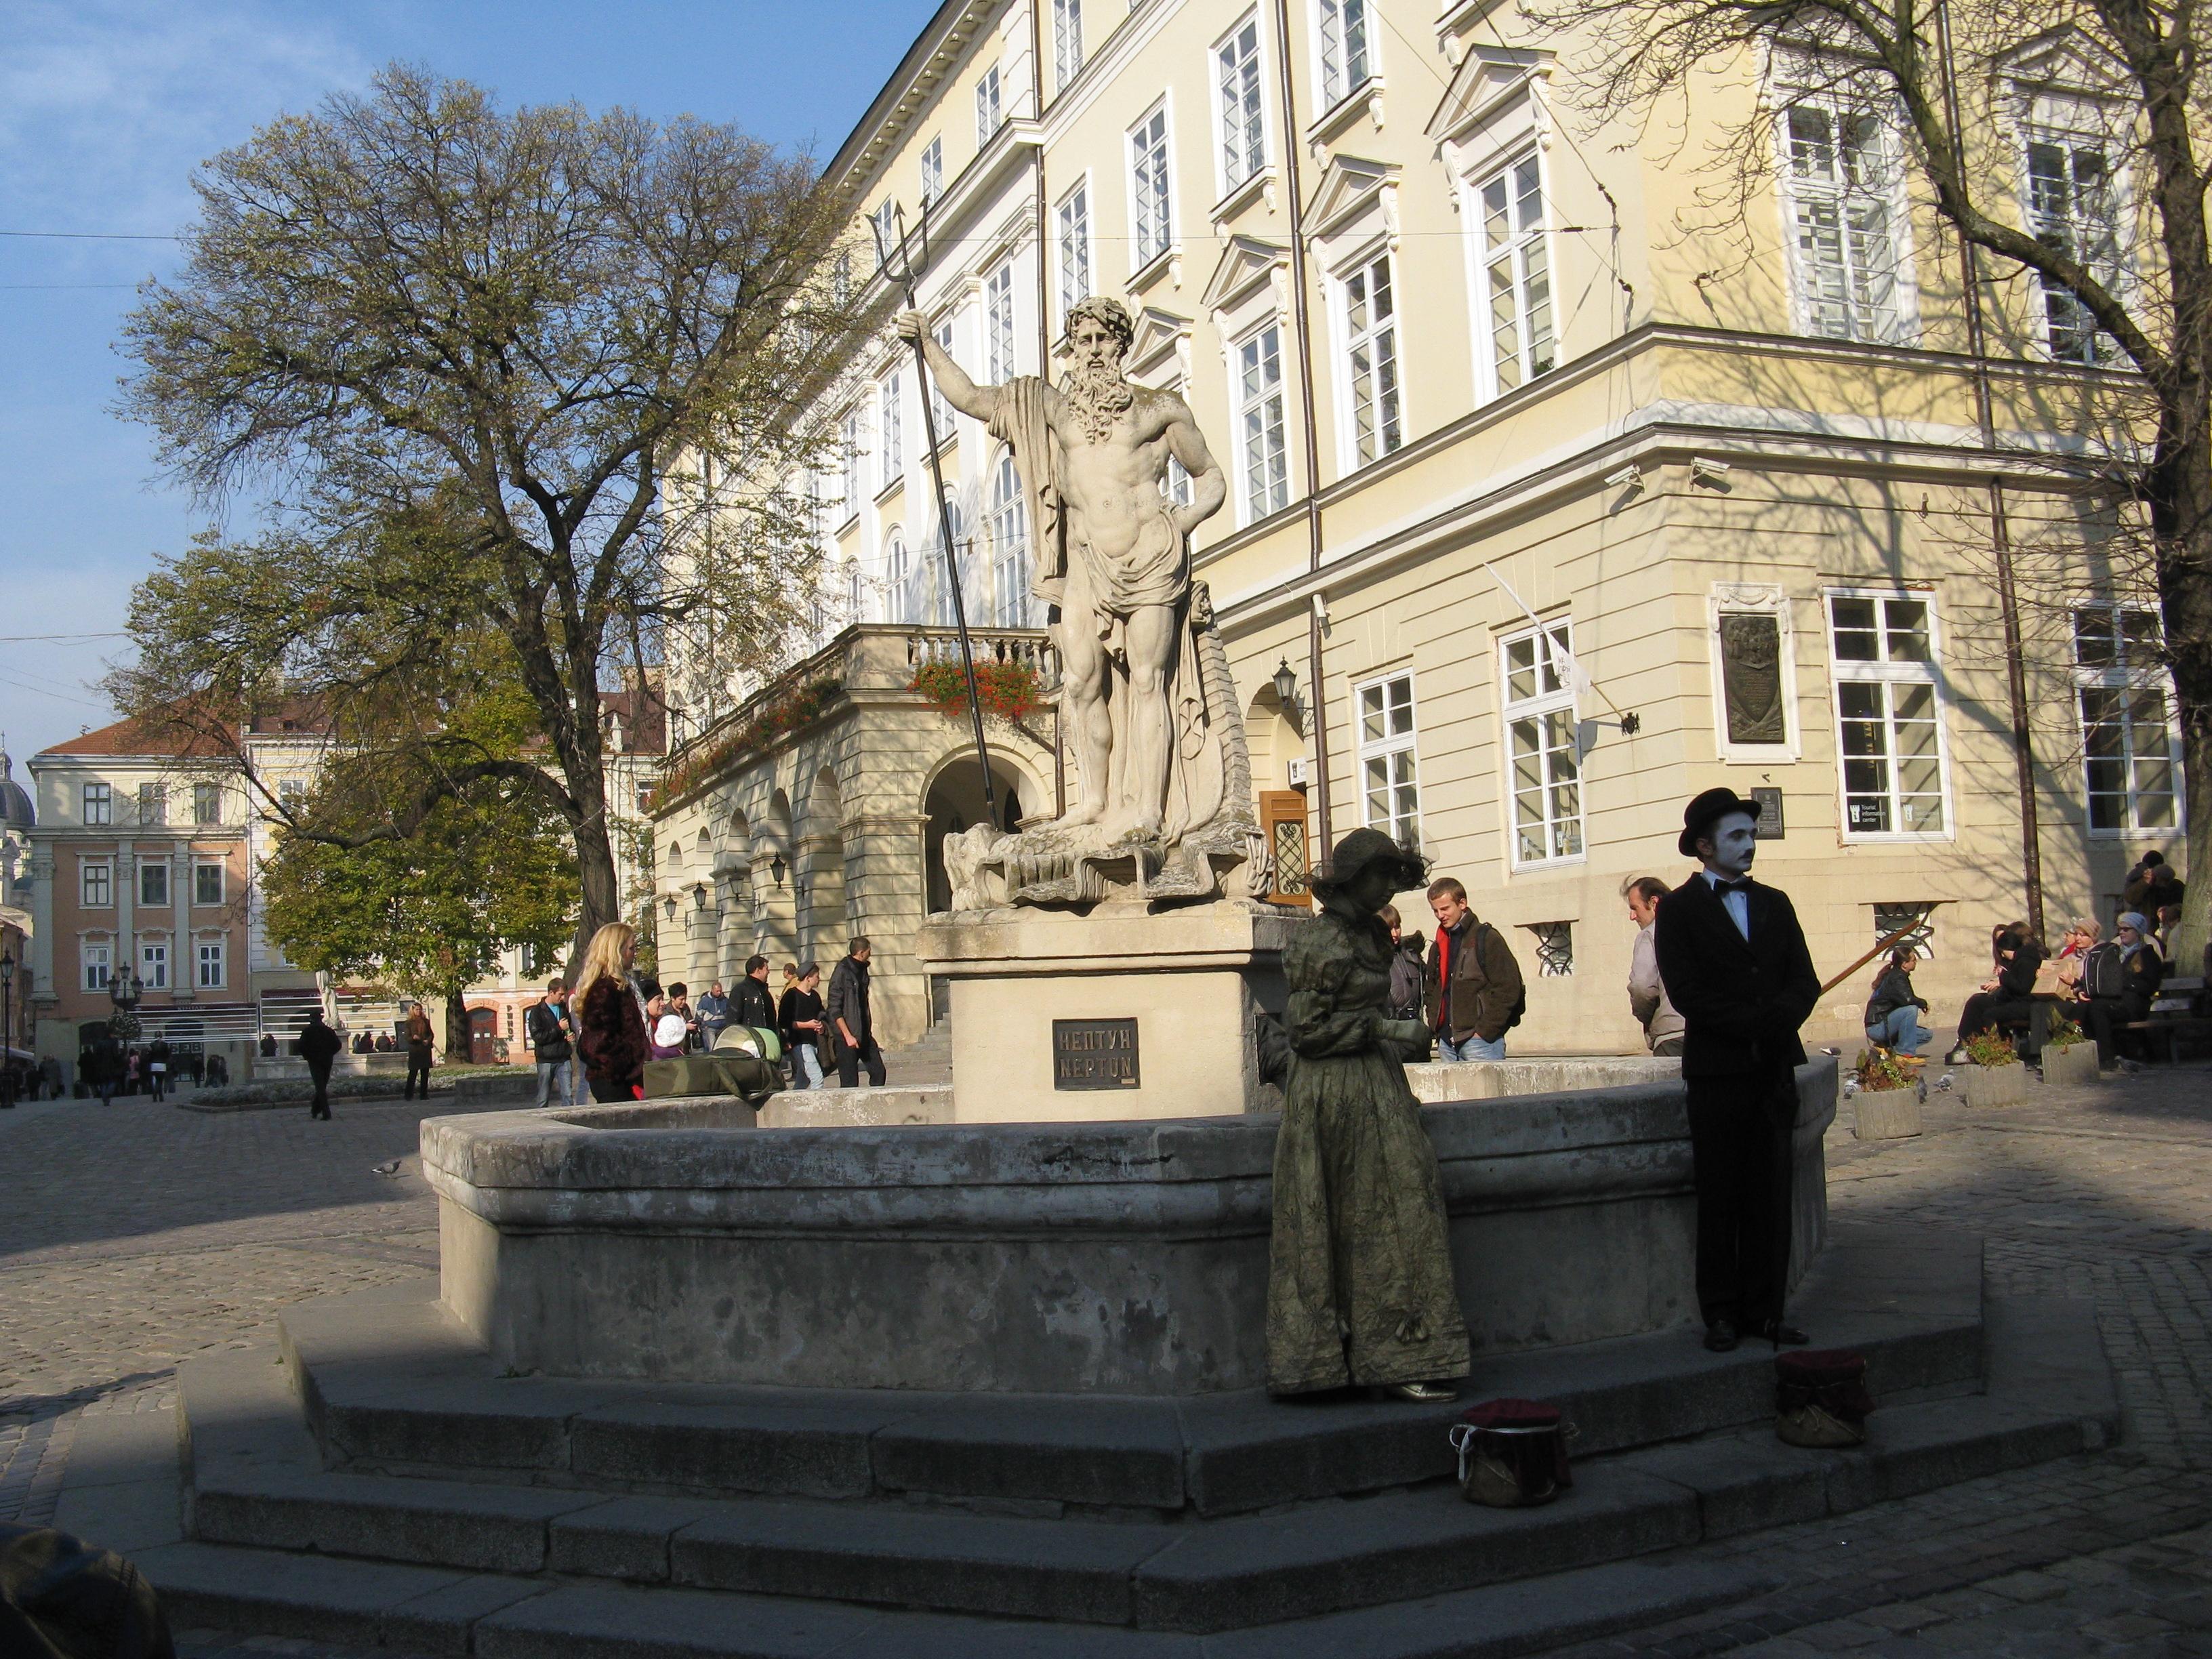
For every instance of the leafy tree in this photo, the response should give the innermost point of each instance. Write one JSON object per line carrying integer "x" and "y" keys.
{"x": 1948, "y": 69}
{"x": 537, "y": 377}
{"x": 484, "y": 871}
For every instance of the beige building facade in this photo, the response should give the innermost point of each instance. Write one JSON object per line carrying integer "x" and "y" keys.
{"x": 1553, "y": 497}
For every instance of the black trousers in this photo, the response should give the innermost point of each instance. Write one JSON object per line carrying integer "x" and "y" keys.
{"x": 603, "y": 1092}
{"x": 849, "y": 1061}
{"x": 1742, "y": 1160}
{"x": 418, "y": 1066}
{"x": 2106, "y": 1016}
{"x": 321, "y": 1074}
{"x": 1985, "y": 1010}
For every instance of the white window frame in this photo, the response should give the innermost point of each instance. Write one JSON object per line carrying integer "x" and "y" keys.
{"x": 2123, "y": 675}
{"x": 1074, "y": 259}
{"x": 945, "y": 417}
{"x": 2075, "y": 135}
{"x": 1237, "y": 73}
{"x": 154, "y": 804}
{"x": 96, "y": 804}
{"x": 898, "y": 578}
{"x": 1396, "y": 751}
{"x": 933, "y": 170}
{"x": 1333, "y": 52}
{"x": 95, "y": 966}
{"x": 1889, "y": 673}
{"x": 990, "y": 109}
{"x": 87, "y": 869}
{"x": 1151, "y": 170}
{"x": 1541, "y": 705}
{"x": 220, "y": 870}
{"x": 157, "y": 868}
{"x": 210, "y": 954}
{"x": 207, "y": 803}
{"x": 1010, "y": 547}
{"x": 1801, "y": 195}
{"x": 1523, "y": 251}
{"x": 884, "y": 222}
{"x": 1250, "y": 509}
{"x": 890, "y": 423}
{"x": 152, "y": 964}
{"x": 1732, "y": 598}
{"x": 1066, "y": 42}
{"x": 998, "y": 320}
{"x": 849, "y": 462}
{"x": 1351, "y": 341}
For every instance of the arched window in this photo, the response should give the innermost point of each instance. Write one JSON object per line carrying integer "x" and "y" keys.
{"x": 940, "y": 590}
{"x": 1010, "y": 544}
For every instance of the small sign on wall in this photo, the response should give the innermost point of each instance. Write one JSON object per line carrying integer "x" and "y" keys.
{"x": 1094, "y": 1054}
{"x": 1769, "y": 812}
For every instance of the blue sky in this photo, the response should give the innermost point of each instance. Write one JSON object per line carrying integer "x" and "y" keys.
{"x": 106, "y": 108}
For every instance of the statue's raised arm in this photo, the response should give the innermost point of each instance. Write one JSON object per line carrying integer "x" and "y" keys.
{"x": 981, "y": 402}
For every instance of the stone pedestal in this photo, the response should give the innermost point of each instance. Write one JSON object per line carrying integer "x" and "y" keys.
{"x": 1993, "y": 1085}
{"x": 1887, "y": 1114}
{"x": 1119, "y": 1013}
{"x": 2067, "y": 1067}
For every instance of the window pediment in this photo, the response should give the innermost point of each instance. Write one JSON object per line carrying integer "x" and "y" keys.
{"x": 1160, "y": 335}
{"x": 1245, "y": 262}
{"x": 2066, "y": 62}
{"x": 1351, "y": 191}
{"x": 1485, "y": 78}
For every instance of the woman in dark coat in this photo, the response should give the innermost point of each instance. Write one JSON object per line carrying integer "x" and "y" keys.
{"x": 610, "y": 1036}
{"x": 2009, "y": 999}
{"x": 419, "y": 1039}
{"x": 1360, "y": 1287}
{"x": 2141, "y": 968}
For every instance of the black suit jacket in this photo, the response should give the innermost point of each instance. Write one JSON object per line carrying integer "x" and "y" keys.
{"x": 1741, "y": 1001}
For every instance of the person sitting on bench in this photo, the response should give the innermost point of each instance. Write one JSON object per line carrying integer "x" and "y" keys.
{"x": 2142, "y": 967}
{"x": 2009, "y": 999}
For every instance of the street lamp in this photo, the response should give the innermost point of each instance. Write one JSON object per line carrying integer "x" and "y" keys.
{"x": 699, "y": 896}
{"x": 7, "y": 1029}
{"x": 1286, "y": 695}
{"x": 776, "y": 868}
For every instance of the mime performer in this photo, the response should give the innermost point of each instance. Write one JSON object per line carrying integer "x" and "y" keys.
{"x": 1736, "y": 967}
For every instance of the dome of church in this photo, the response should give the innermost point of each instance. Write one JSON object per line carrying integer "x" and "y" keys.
{"x": 15, "y": 810}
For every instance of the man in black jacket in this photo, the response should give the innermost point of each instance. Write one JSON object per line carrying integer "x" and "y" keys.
{"x": 318, "y": 1046}
{"x": 849, "y": 1016}
{"x": 750, "y": 1004}
{"x": 1735, "y": 963}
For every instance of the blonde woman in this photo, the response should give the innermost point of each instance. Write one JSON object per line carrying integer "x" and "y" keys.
{"x": 610, "y": 1031}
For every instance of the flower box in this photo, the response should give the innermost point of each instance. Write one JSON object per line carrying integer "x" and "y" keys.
{"x": 1887, "y": 1114}
{"x": 1993, "y": 1085}
{"x": 2077, "y": 1063}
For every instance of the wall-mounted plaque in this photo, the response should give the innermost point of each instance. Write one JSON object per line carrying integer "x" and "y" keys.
{"x": 1769, "y": 813}
{"x": 1094, "y": 1054}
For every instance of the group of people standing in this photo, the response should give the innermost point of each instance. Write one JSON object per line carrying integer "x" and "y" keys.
{"x": 615, "y": 1019}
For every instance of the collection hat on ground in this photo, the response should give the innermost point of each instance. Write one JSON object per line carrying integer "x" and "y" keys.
{"x": 1698, "y": 814}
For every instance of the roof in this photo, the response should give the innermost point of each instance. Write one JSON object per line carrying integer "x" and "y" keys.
{"x": 644, "y": 718}
{"x": 135, "y": 737}
{"x": 17, "y": 811}
{"x": 903, "y": 93}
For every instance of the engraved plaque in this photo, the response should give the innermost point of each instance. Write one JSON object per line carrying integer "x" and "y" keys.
{"x": 1094, "y": 1054}
{"x": 1769, "y": 814}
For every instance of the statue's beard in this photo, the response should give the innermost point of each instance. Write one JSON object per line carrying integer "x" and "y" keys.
{"x": 1099, "y": 396}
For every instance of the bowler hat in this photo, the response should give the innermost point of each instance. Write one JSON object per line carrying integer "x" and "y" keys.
{"x": 1698, "y": 814}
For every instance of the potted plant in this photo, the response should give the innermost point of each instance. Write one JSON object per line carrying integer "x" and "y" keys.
{"x": 2068, "y": 1056}
{"x": 1992, "y": 1075}
{"x": 1889, "y": 1098}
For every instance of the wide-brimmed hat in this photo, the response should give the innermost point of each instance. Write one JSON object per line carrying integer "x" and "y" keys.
{"x": 1699, "y": 814}
{"x": 1357, "y": 852}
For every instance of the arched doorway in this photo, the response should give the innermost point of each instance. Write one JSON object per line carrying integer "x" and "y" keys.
{"x": 955, "y": 803}
{"x": 822, "y": 923}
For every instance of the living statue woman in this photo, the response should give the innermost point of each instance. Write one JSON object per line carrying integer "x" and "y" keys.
{"x": 1359, "y": 1286}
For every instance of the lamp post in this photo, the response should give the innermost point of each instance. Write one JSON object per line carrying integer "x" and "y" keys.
{"x": 7, "y": 1029}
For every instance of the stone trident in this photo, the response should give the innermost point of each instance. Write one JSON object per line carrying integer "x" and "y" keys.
{"x": 902, "y": 261}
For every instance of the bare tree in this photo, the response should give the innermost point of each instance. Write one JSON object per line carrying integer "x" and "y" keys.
{"x": 2135, "y": 291}
{"x": 462, "y": 350}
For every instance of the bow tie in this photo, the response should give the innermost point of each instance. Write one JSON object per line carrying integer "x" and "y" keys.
{"x": 1743, "y": 885}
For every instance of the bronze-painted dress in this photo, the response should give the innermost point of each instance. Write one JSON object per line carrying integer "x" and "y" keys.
{"x": 1359, "y": 1286}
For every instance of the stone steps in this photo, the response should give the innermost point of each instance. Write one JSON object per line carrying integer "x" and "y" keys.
{"x": 254, "y": 1482}
{"x": 391, "y": 1385}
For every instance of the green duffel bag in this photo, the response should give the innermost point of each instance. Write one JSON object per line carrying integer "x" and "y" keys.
{"x": 758, "y": 1041}
{"x": 734, "y": 1073}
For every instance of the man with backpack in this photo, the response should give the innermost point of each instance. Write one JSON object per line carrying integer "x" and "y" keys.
{"x": 551, "y": 1038}
{"x": 1474, "y": 992}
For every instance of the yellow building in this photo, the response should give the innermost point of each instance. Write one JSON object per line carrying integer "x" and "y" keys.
{"x": 1555, "y": 496}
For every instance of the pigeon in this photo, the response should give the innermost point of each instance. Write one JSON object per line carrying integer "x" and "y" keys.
{"x": 1944, "y": 1081}
{"x": 1831, "y": 1051}
{"x": 1850, "y": 1087}
{"x": 390, "y": 1169}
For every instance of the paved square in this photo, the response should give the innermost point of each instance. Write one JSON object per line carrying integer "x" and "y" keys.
{"x": 135, "y": 1236}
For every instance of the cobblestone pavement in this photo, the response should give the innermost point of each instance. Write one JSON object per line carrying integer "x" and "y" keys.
{"x": 133, "y": 1240}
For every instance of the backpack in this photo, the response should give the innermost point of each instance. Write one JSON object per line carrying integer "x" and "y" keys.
{"x": 2104, "y": 971}
{"x": 1521, "y": 997}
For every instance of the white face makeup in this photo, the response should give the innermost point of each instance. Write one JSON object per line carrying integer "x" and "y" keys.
{"x": 1734, "y": 840}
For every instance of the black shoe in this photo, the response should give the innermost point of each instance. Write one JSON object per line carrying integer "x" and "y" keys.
{"x": 1782, "y": 1335}
{"x": 1720, "y": 1336}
